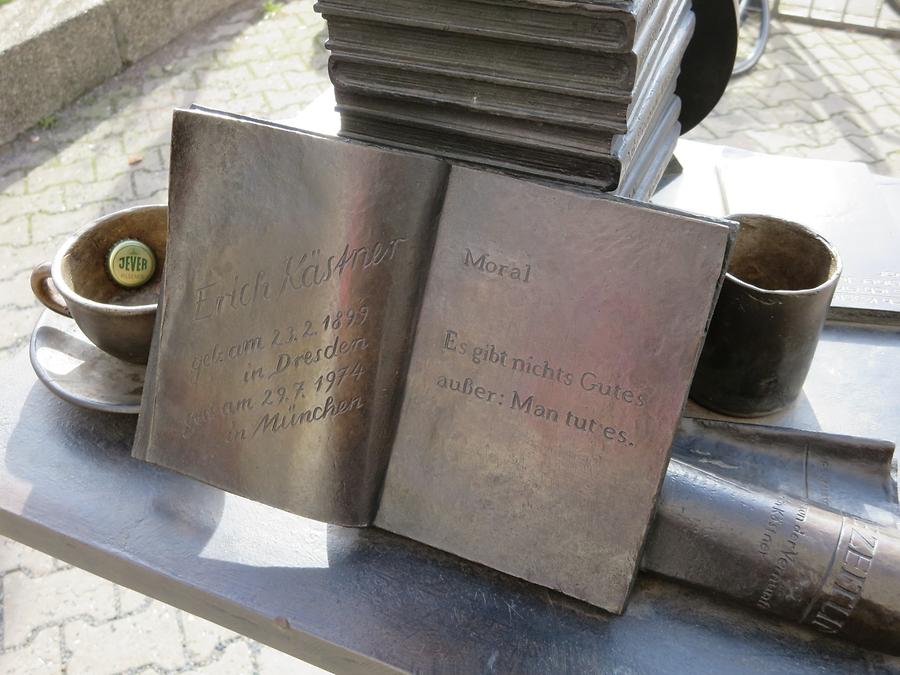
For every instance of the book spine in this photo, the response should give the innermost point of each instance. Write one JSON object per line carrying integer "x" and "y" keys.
{"x": 656, "y": 100}
{"x": 641, "y": 175}
{"x": 481, "y": 126}
{"x": 564, "y": 167}
{"x": 612, "y": 30}
{"x": 369, "y": 76}
{"x": 458, "y": 56}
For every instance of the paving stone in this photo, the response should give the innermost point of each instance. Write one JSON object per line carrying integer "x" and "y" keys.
{"x": 78, "y": 195}
{"x": 14, "y": 284}
{"x": 190, "y": 13}
{"x": 15, "y": 232}
{"x": 112, "y": 162}
{"x": 29, "y": 603}
{"x": 814, "y": 88}
{"x": 16, "y": 556}
{"x": 150, "y": 184}
{"x": 12, "y": 208}
{"x": 875, "y": 146}
{"x": 39, "y": 657}
{"x": 285, "y": 104}
{"x": 273, "y": 662}
{"x": 51, "y": 227}
{"x": 150, "y": 637}
{"x": 80, "y": 171}
{"x": 131, "y": 601}
{"x": 137, "y": 140}
{"x": 886, "y": 167}
{"x": 252, "y": 54}
{"x": 837, "y": 67}
{"x": 880, "y": 78}
{"x": 840, "y": 150}
{"x": 775, "y": 117}
{"x": 861, "y": 62}
{"x": 235, "y": 659}
{"x": 880, "y": 118}
{"x": 201, "y": 637}
{"x": 14, "y": 183}
{"x": 724, "y": 125}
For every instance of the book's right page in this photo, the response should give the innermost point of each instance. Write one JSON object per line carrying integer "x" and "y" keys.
{"x": 554, "y": 351}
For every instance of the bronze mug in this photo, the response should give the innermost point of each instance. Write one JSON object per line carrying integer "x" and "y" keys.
{"x": 76, "y": 283}
{"x": 766, "y": 324}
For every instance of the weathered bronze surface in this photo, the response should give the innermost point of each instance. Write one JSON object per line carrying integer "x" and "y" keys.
{"x": 729, "y": 483}
{"x": 593, "y": 26}
{"x": 77, "y": 284}
{"x": 552, "y": 358}
{"x": 843, "y": 473}
{"x": 295, "y": 267}
{"x": 836, "y": 573}
{"x": 530, "y": 63}
{"x": 287, "y": 324}
{"x": 366, "y": 601}
{"x": 767, "y": 322}
{"x": 418, "y": 71}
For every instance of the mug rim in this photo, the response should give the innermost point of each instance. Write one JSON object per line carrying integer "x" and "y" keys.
{"x": 832, "y": 277}
{"x": 76, "y": 298}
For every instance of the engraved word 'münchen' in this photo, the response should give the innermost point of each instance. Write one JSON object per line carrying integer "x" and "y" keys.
{"x": 277, "y": 422}
{"x": 508, "y": 270}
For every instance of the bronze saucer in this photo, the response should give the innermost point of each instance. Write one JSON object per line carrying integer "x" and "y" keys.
{"x": 77, "y": 371}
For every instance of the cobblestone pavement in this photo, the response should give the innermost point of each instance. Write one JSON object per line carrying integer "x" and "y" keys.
{"x": 820, "y": 93}
{"x": 816, "y": 93}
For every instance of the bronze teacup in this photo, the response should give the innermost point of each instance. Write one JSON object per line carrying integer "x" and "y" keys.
{"x": 766, "y": 325}
{"x": 76, "y": 284}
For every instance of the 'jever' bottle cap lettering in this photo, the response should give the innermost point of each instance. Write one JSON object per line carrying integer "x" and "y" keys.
{"x": 131, "y": 263}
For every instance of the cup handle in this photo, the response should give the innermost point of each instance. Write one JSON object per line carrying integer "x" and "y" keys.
{"x": 46, "y": 292}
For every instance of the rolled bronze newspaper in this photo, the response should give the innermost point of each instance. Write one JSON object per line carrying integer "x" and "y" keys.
{"x": 837, "y": 573}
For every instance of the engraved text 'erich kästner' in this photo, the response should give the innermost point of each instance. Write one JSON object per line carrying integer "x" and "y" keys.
{"x": 299, "y": 272}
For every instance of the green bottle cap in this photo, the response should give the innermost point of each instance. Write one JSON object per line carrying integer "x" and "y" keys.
{"x": 131, "y": 263}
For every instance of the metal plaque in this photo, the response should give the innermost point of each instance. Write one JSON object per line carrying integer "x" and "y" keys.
{"x": 294, "y": 271}
{"x": 557, "y": 339}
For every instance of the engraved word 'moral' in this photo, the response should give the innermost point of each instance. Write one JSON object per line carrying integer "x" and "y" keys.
{"x": 509, "y": 270}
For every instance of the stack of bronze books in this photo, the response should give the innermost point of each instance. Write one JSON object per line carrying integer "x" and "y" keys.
{"x": 581, "y": 91}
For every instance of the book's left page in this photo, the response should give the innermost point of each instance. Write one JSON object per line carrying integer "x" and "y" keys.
{"x": 292, "y": 281}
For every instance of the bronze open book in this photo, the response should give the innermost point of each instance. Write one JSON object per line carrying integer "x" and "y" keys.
{"x": 488, "y": 365}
